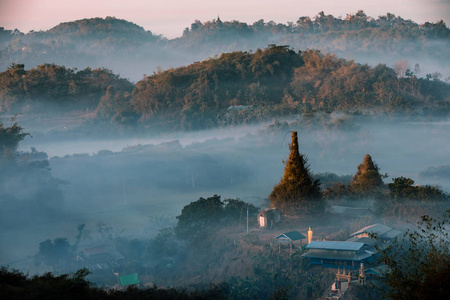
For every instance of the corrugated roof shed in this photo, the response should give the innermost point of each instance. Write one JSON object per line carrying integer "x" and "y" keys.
{"x": 129, "y": 279}
{"x": 365, "y": 240}
{"x": 391, "y": 234}
{"x": 335, "y": 245}
{"x": 379, "y": 229}
{"x": 291, "y": 235}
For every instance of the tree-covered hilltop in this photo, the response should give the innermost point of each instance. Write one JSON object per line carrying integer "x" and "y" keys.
{"x": 235, "y": 88}
{"x": 131, "y": 50}
{"x": 197, "y": 96}
{"x": 357, "y": 34}
{"x": 101, "y": 29}
{"x": 242, "y": 87}
{"x": 114, "y": 43}
{"x": 107, "y": 29}
{"x": 50, "y": 87}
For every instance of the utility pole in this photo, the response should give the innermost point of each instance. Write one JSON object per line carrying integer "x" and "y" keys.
{"x": 247, "y": 219}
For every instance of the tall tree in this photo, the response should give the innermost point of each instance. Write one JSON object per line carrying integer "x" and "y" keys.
{"x": 367, "y": 178}
{"x": 10, "y": 138}
{"x": 297, "y": 192}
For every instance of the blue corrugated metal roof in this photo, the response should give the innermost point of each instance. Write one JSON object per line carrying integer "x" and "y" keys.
{"x": 338, "y": 256}
{"x": 335, "y": 245}
{"x": 391, "y": 234}
{"x": 364, "y": 240}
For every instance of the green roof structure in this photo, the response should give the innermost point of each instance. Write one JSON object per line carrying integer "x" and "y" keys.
{"x": 129, "y": 279}
{"x": 289, "y": 237}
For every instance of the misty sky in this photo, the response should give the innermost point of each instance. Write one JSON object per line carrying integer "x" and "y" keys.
{"x": 170, "y": 17}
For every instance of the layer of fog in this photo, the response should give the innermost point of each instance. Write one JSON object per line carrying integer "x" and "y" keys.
{"x": 147, "y": 58}
{"x": 127, "y": 183}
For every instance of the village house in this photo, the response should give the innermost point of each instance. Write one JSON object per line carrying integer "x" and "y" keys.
{"x": 384, "y": 233}
{"x": 362, "y": 247}
{"x": 289, "y": 238}
{"x": 339, "y": 254}
{"x": 97, "y": 258}
{"x": 267, "y": 218}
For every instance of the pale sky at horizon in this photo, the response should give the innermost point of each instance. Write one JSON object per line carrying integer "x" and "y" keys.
{"x": 170, "y": 17}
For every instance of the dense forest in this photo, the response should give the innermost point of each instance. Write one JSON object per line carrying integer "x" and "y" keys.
{"x": 51, "y": 87}
{"x": 388, "y": 33}
{"x": 242, "y": 87}
{"x": 235, "y": 88}
{"x": 132, "y": 51}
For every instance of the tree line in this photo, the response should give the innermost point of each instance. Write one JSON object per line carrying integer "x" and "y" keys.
{"x": 51, "y": 87}
{"x": 298, "y": 193}
{"x": 109, "y": 41}
{"x": 244, "y": 87}
{"x": 236, "y": 88}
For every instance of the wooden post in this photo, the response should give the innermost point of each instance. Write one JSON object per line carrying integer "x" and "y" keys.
{"x": 247, "y": 219}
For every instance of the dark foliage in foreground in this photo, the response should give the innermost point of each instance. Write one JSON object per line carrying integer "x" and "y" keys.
{"x": 17, "y": 285}
{"x": 297, "y": 193}
{"x": 418, "y": 265}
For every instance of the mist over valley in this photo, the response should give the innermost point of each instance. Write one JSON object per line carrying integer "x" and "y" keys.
{"x": 124, "y": 181}
{"x": 206, "y": 177}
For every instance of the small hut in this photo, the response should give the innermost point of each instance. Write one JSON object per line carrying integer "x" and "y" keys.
{"x": 267, "y": 218}
{"x": 97, "y": 258}
{"x": 130, "y": 279}
{"x": 288, "y": 238}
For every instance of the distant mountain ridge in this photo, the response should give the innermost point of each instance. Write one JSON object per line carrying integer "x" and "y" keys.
{"x": 101, "y": 28}
{"x": 132, "y": 51}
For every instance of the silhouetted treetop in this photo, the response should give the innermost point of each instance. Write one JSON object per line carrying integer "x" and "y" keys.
{"x": 297, "y": 192}
{"x": 10, "y": 138}
{"x": 367, "y": 177}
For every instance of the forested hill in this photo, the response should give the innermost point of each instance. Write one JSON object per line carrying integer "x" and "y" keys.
{"x": 107, "y": 31}
{"x": 97, "y": 42}
{"x": 242, "y": 87}
{"x": 99, "y": 29}
{"x": 350, "y": 36}
{"x": 235, "y": 88}
{"x": 128, "y": 49}
{"x": 50, "y": 87}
